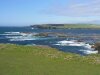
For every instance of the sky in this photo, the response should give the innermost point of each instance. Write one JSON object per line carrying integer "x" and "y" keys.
{"x": 28, "y": 12}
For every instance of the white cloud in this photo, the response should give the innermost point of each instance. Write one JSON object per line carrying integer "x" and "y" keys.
{"x": 89, "y": 8}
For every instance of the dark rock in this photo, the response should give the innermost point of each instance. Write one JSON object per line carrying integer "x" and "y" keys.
{"x": 97, "y": 47}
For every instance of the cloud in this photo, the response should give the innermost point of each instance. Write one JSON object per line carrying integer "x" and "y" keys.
{"x": 78, "y": 9}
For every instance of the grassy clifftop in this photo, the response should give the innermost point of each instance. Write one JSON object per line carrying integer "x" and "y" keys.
{"x": 39, "y": 60}
{"x": 66, "y": 26}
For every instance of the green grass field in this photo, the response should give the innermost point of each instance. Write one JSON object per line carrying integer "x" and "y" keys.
{"x": 39, "y": 60}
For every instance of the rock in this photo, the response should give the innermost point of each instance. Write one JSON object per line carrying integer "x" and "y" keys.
{"x": 97, "y": 47}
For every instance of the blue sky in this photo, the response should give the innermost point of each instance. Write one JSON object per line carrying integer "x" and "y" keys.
{"x": 27, "y": 12}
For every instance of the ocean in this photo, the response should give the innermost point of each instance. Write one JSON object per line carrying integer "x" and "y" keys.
{"x": 90, "y": 36}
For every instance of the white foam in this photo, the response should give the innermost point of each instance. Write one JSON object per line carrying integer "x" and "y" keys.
{"x": 20, "y": 39}
{"x": 89, "y": 51}
{"x": 12, "y": 32}
{"x": 64, "y": 42}
{"x": 73, "y": 43}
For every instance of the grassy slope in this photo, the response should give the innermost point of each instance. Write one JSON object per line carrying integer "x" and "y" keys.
{"x": 23, "y": 60}
{"x": 90, "y": 26}
{"x": 81, "y": 26}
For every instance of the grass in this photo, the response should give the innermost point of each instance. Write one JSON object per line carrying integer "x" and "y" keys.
{"x": 39, "y": 60}
{"x": 67, "y": 26}
{"x": 90, "y": 26}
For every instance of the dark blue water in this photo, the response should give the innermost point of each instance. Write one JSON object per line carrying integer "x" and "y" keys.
{"x": 28, "y": 29}
{"x": 50, "y": 41}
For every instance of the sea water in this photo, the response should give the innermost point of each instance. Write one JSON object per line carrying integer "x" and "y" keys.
{"x": 50, "y": 41}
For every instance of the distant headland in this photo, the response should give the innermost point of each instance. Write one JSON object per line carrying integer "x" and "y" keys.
{"x": 66, "y": 26}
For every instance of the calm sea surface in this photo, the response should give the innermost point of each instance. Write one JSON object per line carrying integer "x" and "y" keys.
{"x": 51, "y": 41}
